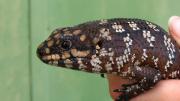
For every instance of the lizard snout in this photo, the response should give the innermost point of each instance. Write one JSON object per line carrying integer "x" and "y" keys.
{"x": 40, "y": 52}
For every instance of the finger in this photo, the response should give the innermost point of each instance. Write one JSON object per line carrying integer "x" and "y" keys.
{"x": 162, "y": 92}
{"x": 115, "y": 82}
{"x": 174, "y": 28}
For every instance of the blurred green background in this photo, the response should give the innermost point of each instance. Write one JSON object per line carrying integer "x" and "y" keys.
{"x": 24, "y": 24}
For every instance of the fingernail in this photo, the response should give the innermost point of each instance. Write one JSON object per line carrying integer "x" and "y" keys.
{"x": 173, "y": 18}
{"x": 174, "y": 25}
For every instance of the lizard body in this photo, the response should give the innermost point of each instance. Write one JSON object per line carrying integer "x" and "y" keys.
{"x": 131, "y": 48}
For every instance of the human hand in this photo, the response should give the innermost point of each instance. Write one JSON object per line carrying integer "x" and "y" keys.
{"x": 165, "y": 90}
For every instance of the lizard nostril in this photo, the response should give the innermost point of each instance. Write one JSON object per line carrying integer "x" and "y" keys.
{"x": 40, "y": 52}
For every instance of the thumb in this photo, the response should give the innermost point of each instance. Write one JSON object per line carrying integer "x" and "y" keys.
{"x": 174, "y": 28}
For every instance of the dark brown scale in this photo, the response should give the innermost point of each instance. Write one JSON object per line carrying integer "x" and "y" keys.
{"x": 148, "y": 67}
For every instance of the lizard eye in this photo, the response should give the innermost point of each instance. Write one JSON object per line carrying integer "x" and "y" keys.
{"x": 66, "y": 44}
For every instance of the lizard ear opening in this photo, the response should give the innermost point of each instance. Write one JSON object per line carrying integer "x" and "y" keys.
{"x": 99, "y": 44}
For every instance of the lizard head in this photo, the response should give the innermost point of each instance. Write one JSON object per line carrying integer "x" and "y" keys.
{"x": 68, "y": 47}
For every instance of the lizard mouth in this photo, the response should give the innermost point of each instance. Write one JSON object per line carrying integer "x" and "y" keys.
{"x": 56, "y": 60}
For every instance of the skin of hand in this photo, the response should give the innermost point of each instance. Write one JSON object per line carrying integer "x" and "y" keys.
{"x": 165, "y": 90}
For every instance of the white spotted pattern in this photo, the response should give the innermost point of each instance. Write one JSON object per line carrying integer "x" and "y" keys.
{"x": 95, "y": 62}
{"x": 168, "y": 63}
{"x": 133, "y": 58}
{"x": 104, "y": 33}
{"x": 156, "y": 78}
{"x": 104, "y": 52}
{"x": 147, "y": 35}
{"x": 155, "y": 60}
{"x": 108, "y": 67}
{"x": 125, "y": 73}
{"x": 174, "y": 74}
{"x": 154, "y": 27}
{"x": 133, "y": 25}
{"x": 125, "y": 57}
{"x": 170, "y": 50}
{"x": 107, "y": 53}
{"x": 118, "y": 28}
{"x": 81, "y": 65}
{"x": 103, "y": 21}
{"x": 144, "y": 55}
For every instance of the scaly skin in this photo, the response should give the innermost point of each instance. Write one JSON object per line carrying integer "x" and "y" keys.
{"x": 134, "y": 49}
